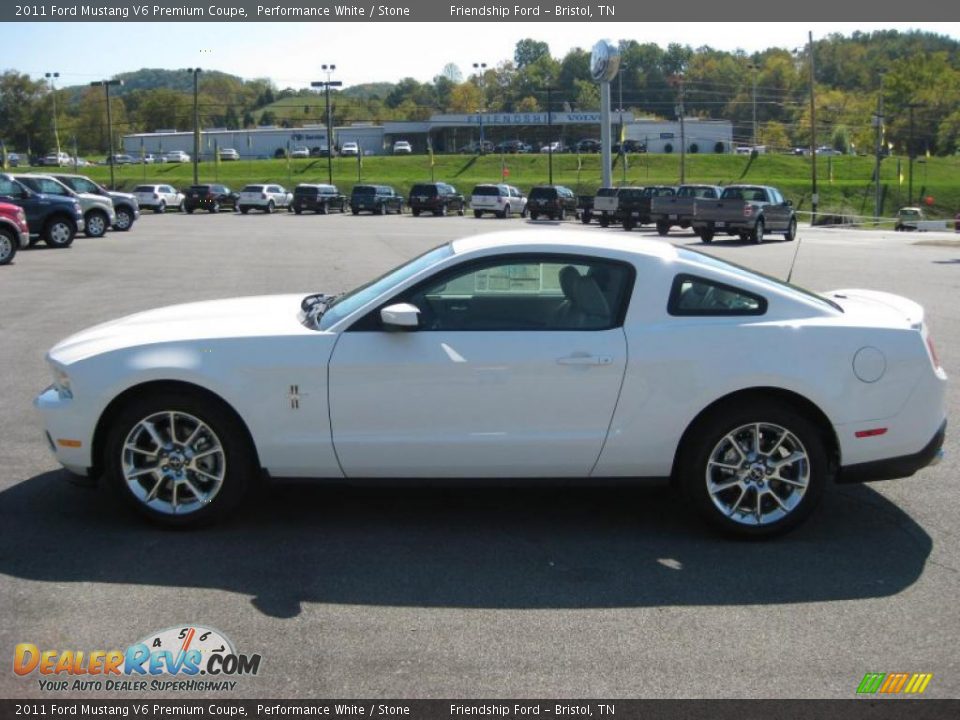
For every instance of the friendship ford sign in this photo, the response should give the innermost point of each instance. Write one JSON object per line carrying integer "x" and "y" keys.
{"x": 526, "y": 118}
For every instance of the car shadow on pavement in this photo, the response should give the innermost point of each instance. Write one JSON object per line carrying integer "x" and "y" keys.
{"x": 513, "y": 548}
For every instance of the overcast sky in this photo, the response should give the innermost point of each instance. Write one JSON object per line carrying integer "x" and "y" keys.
{"x": 291, "y": 53}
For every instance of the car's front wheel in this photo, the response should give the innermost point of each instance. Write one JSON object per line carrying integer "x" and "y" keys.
{"x": 178, "y": 458}
{"x": 59, "y": 232}
{"x": 791, "y": 232}
{"x": 754, "y": 469}
{"x": 8, "y": 246}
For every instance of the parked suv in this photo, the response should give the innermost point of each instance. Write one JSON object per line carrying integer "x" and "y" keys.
{"x": 554, "y": 201}
{"x": 158, "y": 197}
{"x": 55, "y": 218}
{"x": 378, "y": 199}
{"x": 438, "y": 198}
{"x": 125, "y": 206}
{"x": 501, "y": 200}
{"x": 266, "y": 197}
{"x": 211, "y": 198}
{"x": 318, "y": 198}
{"x": 14, "y": 231}
{"x": 98, "y": 212}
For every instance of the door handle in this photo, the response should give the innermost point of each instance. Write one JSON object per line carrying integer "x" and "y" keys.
{"x": 584, "y": 359}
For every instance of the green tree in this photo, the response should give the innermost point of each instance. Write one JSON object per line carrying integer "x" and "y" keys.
{"x": 528, "y": 51}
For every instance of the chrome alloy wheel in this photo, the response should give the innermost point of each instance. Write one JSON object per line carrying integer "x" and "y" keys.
{"x": 60, "y": 233}
{"x": 7, "y": 248}
{"x": 758, "y": 474}
{"x": 173, "y": 462}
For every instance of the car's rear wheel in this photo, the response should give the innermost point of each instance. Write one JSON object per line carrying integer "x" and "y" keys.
{"x": 161, "y": 208}
{"x": 585, "y": 218}
{"x": 534, "y": 215}
{"x": 706, "y": 235}
{"x": 604, "y": 221}
{"x": 271, "y": 207}
{"x": 124, "y": 219}
{"x": 757, "y": 468}
{"x": 297, "y": 210}
{"x": 663, "y": 228}
{"x": 324, "y": 208}
{"x": 95, "y": 224}
{"x": 189, "y": 210}
{"x": 8, "y": 246}
{"x": 562, "y": 215}
{"x": 215, "y": 208}
{"x": 59, "y": 232}
{"x": 178, "y": 458}
{"x": 415, "y": 213}
{"x": 756, "y": 235}
{"x": 244, "y": 209}
{"x": 477, "y": 214}
{"x": 791, "y": 232}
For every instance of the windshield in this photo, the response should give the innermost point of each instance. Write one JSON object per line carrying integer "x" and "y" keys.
{"x": 491, "y": 190}
{"x": 364, "y": 190}
{"x": 423, "y": 190}
{"x": 697, "y": 256}
{"x": 607, "y": 192}
{"x": 80, "y": 184}
{"x": 357, "y": 298}
{"x": 537, "y": 193}
{"x": 144, "y": 188}
{"x": 253, "y": 188}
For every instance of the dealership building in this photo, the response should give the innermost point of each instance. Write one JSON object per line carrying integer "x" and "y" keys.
{"x": 446, "y": 132}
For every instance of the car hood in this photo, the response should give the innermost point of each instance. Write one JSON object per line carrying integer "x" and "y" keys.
{"x": 121, "y": 195}
{"x": 246, "y": 317}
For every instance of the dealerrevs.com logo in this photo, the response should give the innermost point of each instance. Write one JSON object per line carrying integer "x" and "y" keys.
{"x": 190, "y": 658}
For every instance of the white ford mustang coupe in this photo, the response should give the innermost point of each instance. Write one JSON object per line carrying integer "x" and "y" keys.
{"x": 523, "y": 354}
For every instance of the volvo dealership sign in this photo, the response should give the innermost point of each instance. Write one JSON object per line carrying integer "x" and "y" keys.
{"x": 525, "y": 118}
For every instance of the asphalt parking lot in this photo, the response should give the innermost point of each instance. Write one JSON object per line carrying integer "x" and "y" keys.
{"x": 536, "y": 593}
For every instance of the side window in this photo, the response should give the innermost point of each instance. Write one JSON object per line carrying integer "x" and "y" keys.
{"x": 526, "y": 293}
{"x": 692, "y": 295}
{"x": 9, "y": 188}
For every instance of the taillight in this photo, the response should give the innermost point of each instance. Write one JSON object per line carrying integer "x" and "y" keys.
{"x": 747, "y": 210}
{"x": 263, "y": 196}
{"x": 156, "y": 196}
{"x": 933, "y": 353}
{"x": 499, "y": 200}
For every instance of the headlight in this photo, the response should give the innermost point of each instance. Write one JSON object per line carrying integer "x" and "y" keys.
{"x": 61, "y": 381}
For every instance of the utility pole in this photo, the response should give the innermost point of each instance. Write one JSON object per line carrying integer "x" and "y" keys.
{"x": 814, "y": 195}
{"x": 878, "y": 120}
{"x": 623, "y": 135}
{"x": 326, "y": 85}
{"x": 51, "y": 76}
{"x": 754, "y": 67}
{"x": 105, "y": 84}
{"x": 911, "y": 153}
{"x": 196, "y": 123}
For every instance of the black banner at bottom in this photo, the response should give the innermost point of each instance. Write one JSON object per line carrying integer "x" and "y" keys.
{"x": 854, "y": 709}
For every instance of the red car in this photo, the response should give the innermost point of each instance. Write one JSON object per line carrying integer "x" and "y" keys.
{"x": 14, "y": 232}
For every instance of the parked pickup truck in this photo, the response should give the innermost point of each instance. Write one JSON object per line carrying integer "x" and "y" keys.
{"x": 749, "y": 211}
{"x": 633, "y": 204}
{"x": 913, "y": 218}
{"x": 668, "y": 211}
{"x": 603, "y": 207}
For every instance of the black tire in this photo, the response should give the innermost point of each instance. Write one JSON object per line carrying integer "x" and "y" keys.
{"x": 95, "y": 224}
{"x": 215, "y": 208}
{"x": 297, "y": 210}
{"x": 124, "y": 219}
{"x": 604, "y": 221}
{"x": 524, "y": 212}
{"x": 507, "y": 212}
{"x": 238, "y": 456}
{"x": 585, "y": 217}
{"x": 628, "y": 224}
{"x": 415, "y": 213}
{"x": 270, "y": 207}
{"x": 462, "y": 211}
{"x": 324, "y": 209}
{"x": 441, "y": 212}
{"x": 791, "y": 233}
{"x": 161, "y": 208}
{"x": 59, "y": 232}
{"x": 705, "y": 439}
{"x": 534, "y": 215}
{"x": 244, "y": 209}
{"x": 562, "y": 215}
{"x": 354, "y": 211}
{"x": 189, "y": 210}
{"x": 8, "y": 246}
{"x": 477, "y": 214}
{"x": 756, "y": 235}
{"x": 663, "y": 228}
{"x": 706, "y": 235}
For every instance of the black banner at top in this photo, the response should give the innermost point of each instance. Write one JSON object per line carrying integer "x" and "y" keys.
{"x": 582, "y": 11}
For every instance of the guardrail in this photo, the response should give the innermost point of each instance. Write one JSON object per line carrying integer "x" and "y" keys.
{"x": 845, "y": 220}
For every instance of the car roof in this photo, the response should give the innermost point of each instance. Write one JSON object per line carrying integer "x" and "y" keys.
{"x": 564, "y": 241}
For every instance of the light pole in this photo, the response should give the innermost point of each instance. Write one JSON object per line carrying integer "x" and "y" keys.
{"x": 196, "y": 123}
{"x": 550, "y": 89}
{"x": 910, "y": 152}
{"x": 754, "y": 67}
{"x": 326, "y": 85}
{"x": 878, "y": 121}
{"x": 105, "y": 84}
{"x": 683, "y": 134}
{"x": 623, "y": 135}
{"x": 480, "y": 69}
{"x": 814, "y": 195}
{"x": 51, "y": 76}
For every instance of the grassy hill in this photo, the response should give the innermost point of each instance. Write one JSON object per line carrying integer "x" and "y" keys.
{"x": 845, "y": 183}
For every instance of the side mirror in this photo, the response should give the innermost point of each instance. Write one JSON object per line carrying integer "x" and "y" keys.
{"x": 402, "y": 316}
{"x": 788, "y": 203}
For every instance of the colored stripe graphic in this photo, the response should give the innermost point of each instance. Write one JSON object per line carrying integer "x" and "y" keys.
{"x": 870, "y": 683}
{"x": 894, "y": 683}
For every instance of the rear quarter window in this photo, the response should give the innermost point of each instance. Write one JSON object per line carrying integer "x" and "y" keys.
{"x": 691, "y": 295}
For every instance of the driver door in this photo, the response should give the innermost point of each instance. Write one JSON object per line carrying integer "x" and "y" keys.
{"x": 509, "y": 374}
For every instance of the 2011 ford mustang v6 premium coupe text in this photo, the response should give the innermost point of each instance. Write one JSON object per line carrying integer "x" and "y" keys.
{"x": 530, "y": 354}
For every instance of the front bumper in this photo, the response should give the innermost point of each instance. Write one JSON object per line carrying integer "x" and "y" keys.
{"x": 68, "y": 436}
{"x": 24, "y": 238}
{"x": 896, "y": 467}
